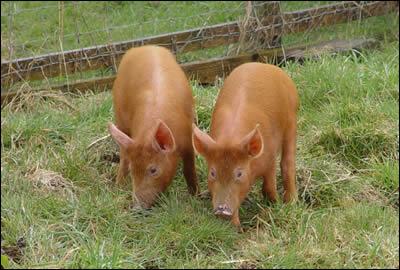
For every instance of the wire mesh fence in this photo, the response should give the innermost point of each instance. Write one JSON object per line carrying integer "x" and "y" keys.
{"x": 85, "y": 24}
{"x": 49, "y": 42}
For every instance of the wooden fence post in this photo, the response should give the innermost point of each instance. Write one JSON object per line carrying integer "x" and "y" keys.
{"x": 260, "y": 10}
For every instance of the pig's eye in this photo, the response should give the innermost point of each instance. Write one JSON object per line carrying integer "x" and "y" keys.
{"x": 212, "y": 173}
{"x": 153, "y": 170}
{"x": 238, "y": 174}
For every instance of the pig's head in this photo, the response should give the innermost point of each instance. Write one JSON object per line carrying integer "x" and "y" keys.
{"x": 152, "y": 162}
{"x": 229, "y": 174}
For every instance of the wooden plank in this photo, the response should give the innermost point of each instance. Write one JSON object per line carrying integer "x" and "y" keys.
{"x": 208, "y": 71}
{"x": 310, "y": 19}
{"x": 315, "y": 51}
{"x": 92, "y": 58}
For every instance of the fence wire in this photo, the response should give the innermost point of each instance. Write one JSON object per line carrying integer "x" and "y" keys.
{"x": 38, "y": 31}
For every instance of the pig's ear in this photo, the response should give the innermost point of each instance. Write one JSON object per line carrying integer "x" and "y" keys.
{"x": 202, "y": 143}
{"x": 121, "y": 138}
{"x": 163, "y": 139}
{"x": 253, "y": 143}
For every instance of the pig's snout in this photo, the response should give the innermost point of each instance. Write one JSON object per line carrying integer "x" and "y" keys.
{"x": 223, "y": 210}
{"x": 135, "y": 206}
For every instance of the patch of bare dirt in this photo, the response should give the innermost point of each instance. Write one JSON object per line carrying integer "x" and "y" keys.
{"x": 14, "y": 252}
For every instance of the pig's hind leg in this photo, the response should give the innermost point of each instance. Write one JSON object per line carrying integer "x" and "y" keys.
{"x": 288, "y": 167}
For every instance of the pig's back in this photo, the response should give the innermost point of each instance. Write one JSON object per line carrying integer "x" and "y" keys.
{"x": 150, "y": 85}
{"x": 254, "y": 93}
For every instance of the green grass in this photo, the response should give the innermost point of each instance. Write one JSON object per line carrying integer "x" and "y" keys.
{"x": 347, "y": 180}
